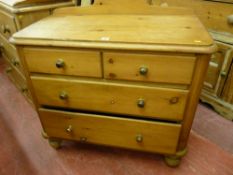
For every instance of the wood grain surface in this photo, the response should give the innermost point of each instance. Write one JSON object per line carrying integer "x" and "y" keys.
{"x": 110, "y": 97}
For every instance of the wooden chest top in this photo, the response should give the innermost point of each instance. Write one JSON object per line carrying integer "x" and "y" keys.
{"x": 141, "y": 31}
{"x": 16, "y": 3}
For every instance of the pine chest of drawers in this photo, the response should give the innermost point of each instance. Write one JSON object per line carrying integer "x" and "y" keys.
{"x": 129, "y": 81}
{"x": 14, "y": 16}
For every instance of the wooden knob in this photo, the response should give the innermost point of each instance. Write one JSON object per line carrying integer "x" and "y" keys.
{"x": 83, "y": 139}
{"x": 60, "y": 63}
{"x": 15, "y": 62}
{"x": 9, "y": 69}
{"x": 141, "y": 103}
{"x": 6, "y": 29}
{"x": 143, "y": 70}
{"x": 69, "y": 129}
{"x": 223, "y": 73}
{"x": 174, "y": 100}
{"x": 139, "y": 138}
{"x": 230, "y": 19}
{"x": 24, "y": 89}
{"x": 63, "y": 95}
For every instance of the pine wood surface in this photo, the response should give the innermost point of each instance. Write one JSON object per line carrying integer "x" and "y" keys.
{"x": 99, "y": 28}
{"x": 16, "y": 3}
{"x": 161, "y": 34}
{"x": 8, "y": 26}
{"x": 214, "y": 15}
{"x": 110, "y": 97}
{"x": 227, "y": 94}
{"x": 76, "y": 62}
{"x": 15, "y": 15}
{"x": 180, "y": 71}
{"x": 112, "y": 131}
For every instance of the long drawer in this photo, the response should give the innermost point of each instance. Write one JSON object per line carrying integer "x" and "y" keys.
{"x": 63, "y": 61}
{"x": 7, "y": 26}
{"x": 162, "y": 68}
{"x": 113, "y": 131}
{"x": 102, "y": 96}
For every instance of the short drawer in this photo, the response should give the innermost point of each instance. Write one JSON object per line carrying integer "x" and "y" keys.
{"x": 113, "y": 131}
{"x": 63, "y": 62}
{"x": 7, "y": 24}
{"x": 162, "y": 68}
{"x": 102, "y": 96}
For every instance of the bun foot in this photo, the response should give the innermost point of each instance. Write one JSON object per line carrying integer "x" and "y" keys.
{"x": 55, "y": 143}
{"x": 44, "y": 135}
{"x": 174, "y": 160}
{"x": 171, "y": 161}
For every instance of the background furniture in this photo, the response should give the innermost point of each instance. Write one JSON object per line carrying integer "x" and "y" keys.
{"x": 217, "y": 16}
{"x": 14, "y": 16}
{"x": 101, "y": 81}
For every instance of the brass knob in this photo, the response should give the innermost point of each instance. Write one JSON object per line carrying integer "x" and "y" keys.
{"x": 141, "y": 103}
{"x": 69, "y": 129}
{"x": 6, "y": 29}
{"x": 174, "y": 100}
{"x": 230, "y": 19}
{"x": 60, "y": 63}
{"x": 63, "y": 95}
{"x": 139, "y": 138}
{"x": 223, "y": 74}
{"x": 9, "y": 69}
{"x": 83, "y": 139}
{"x": 24, "y": 89}
{"x": 143, "y": 70}
{"x": 15, "y": 62}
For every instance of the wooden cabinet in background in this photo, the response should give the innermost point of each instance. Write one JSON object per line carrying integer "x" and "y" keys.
{"x": 14, "y": 16}
{"x": 217, "y": 16}
{"x": 218, "y": 69}
{"x": 218, "y": 86}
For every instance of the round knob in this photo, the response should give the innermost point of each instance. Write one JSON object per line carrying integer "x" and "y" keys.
{"x": 60, "y": 63}
{"x": 139, "y": 138}
{"x": 69, "y": 129}
{"x": 15, "y": 62}
{"x": 223, "y": 73}
{"x": 24, "y": 89}
{"x": 6, "y": 29}
{"x": 141, "y": 103}
{"x": 63, "y": 96}
{"x": 83, "y": 139}
{"x": 143, "y": 70}
{"x": 8, "y": 70}
{"x": 230, "y": 19}
{"x": 174, "y": 100}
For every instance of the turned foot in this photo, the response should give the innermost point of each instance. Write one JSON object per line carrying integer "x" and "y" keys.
{"x": 55, "y": 143}
{"x": 174, "y": 160}
{"x": 44, "y": 135}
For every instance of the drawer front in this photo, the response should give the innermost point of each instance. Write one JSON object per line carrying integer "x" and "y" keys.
{"x": 116, "y": 98}
{"x": 7, "y": 25}
{"x": 17, "y": 78}
{"x": 64, "y": 62}
{"x": 113, "y": 131}
{"x": 161, "y": 68}
{"x": 11, "y": 54}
